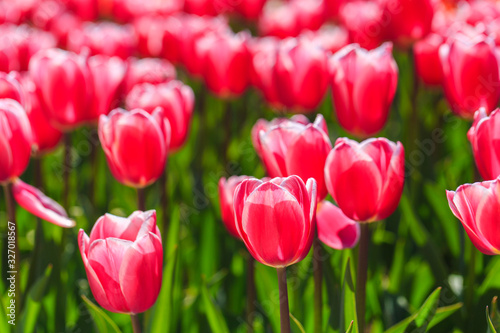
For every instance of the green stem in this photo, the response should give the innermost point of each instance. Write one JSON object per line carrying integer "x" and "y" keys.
{"x": 250, "y": 292}
{"x": 318, "y": 287}
{"x": 163, "y": 182}
{"x": 136, "y": 324}
{"x": 361, "y": 275}
{"x": 141, "y": 199}
{"x": 284, "y": 309}
{"x": 12, "y": 230}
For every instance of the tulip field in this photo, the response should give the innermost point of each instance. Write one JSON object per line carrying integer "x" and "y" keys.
{"x": 249, "y": 166}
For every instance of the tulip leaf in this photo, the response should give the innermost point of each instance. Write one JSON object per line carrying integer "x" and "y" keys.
{"x": 444, "y": 312}
{"x": 491, "y": 281}
{"x": 348, "y": 300}
{"x": 266, "y": 283}
{"x": 350, "y": 328}
{"x": 214, "y": 315}
{"x": 491, "y": 327}
{"x": 4, "y": 326}
{"x": 101, "y": 320}
{"x": 297, "y": 322}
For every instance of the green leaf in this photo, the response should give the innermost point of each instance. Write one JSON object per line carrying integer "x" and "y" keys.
{"x": 443, "y": 313}
{"x": 103, "y": 323}
{"x": 350, "y": 328}
{"x": 348, "y": 300}
{"x": 297, "y": 322}
{"x": 214, "y": 316}
{"x": 266, "y": 283}
{"x": 491, "y": 327}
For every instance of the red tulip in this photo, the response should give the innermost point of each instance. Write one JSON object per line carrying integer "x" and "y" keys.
{"x": 485, "y": 144}
{"x": 16, "y": 139}
{"x": 105, "y": 38}
{"x": 332, "y": 8}
{"x": 427, "y": 62}
{"x": 286, "y": 146}
{"x": 29, "y": 41}
{"x": 476, "y": 206}
{"x": 310, "y": 14}
{"x": 108, "y": 75}
{"x": 249, "y": 9}
{"x": 331, "y": 38}
{"x": 226, "y": 194}
{"x": 275, "y": 219}
{"x": 471, "y": 73}
{"x": 226, "y": 63}
{"x": 135, "y": 144}
{"x": 477, "y": 12}
{"x": 11, "y": 88}
{"x": 409, "y": 20}
{"x": 334, "y": 228}
{"x": 301, "y": 75}
{"x": 366, "y": 179}
{"x": 38, "y": 204}
{"x": 148, "y": 70}
{"x": 85, "y": 9}
{"x": 123, "y": 258}
{"x": 64, "y": 86}
{"x": 363, "y": 87}
{"x": 9, "y": 53}
{"x": 200, "y": 7}
{"x": 177, "y": 101}
{"x": 278, "y": 19}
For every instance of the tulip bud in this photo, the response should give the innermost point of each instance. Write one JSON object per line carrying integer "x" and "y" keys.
{"x": 427, "y": 62}
{"x": 471, "y": 76}
{"x": 148, "y": 70}
{"x": 16, "y": 139}
{"x": 286, "y": 146}
{"x": 64, "y": 86}
{"x": 484, "y": 143}
{"x": 363, "y": 87}
{"x": 135, "y": 144}
{"x": 275, "y": 219}
{"x": 176, "y": 100}
{"x": 123, "y": 258}
{"x": 366, "y": 179}
{"x": 301, "y": 92}
{"x": 334, "y": 228}
{"x": 226, "y": 194}
{"x": 476, "y": 206}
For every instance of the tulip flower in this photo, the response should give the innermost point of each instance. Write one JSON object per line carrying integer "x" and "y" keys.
{"x": 176, "y": 100}
{"x": 471, "y": 73}
{"x": 476, "y": 206}
{"x": 249, "y": 9}
{"x": 302, "y": 92}
{"x": 148, "y": 70}
{"x": 366, "y": 179}
{"x": 482, "y": 136}
{"x": 9, "y": 54}
{"x": 16, "y": 139}
{"x": 332, "y": 8}
{"x": 427, "y": 61}
{"x": 226, "y": 194}
{"x": 64, "y": 87}
{"x": 310, "y": 14}
{"x": 29, "y": 41}
{"x": 135, "y": 144}
{"x": 286, "y": 146}
{"x": 200, "y": 7}
{"x": 284, "y": 209}
{"x": 363, "y": 87}
{"x": 123, "y": 258}
{"x": 108, "y": 75}
{"x": 330, "y": 38}
{"x": 334, "y": 228}
{"x": 278, "y": 19}
{"x": 11, "y": 88}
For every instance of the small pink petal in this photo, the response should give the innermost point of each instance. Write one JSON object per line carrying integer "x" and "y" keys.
{"x": 334, "y": 228}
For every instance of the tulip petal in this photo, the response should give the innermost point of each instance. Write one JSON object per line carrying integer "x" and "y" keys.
{"x": 334, "y": 228}
{"x": 241, "y": 193}
{"x": 38, "y": 204}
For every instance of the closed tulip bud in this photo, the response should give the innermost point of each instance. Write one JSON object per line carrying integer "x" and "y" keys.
{"x": 366, "y": 179}
{"x": 16, "y": 139}
{"x": 427, "y": 62}
{"x": 148, "y": 70}
{"x": 476, "y": 206}
{"x": 409, "y": 20}
{"x": 334, "y": 228}
{"x": 482, "y": 136}
{"x": 108, "y": 75}
{"x": 226, "y": 194}
{"x": 471, "y": 76}
{"x": 286, "y": 146}
{"x": 301, "y": 92}
{"x": 175, "y": 98}
{"x": 363, "y": 86}
{"x": 123, "y": 259}
{"x": 275, "y": 219}
{"x": 135, "y": 144}
{"x": 64, "y": 86}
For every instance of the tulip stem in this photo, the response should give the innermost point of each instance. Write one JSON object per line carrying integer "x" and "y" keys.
{"x": 284, "y": 309}
{"x": 37, "y": 173}
{"x": 136, "y": 324}
{"x": 94, "y": 165}
{"x": 361, "y": 277}
{"x": 318, "y": 287}
{"x": 163, "y": 182}
{"x": 141, "y": 199}
{"x": 471, "y": 277}
{"x": 66, "y": 169}
{"x": 12, "y": 223}
{"x": 250, "y": 292}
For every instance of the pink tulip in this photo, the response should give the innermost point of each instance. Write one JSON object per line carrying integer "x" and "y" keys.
{"x": 330, "y": 38}
{"x": 286, "y": 146}
{"x": 366, "y": 179}
{"x": 123, "y": 258}
{"x": 476, "y": 206}
{"x": 249, "y": 9}
{"x": 471, "y": 73}
{"x": 226, "y": 194}
{"x": 64, "y": 86}
{"x": 363, "y": 87}
{"x": 177, "y": 101}
{"x": 9, "y": 53}
{"x": 148, "y": 70}
{"x": 301, "y": 75}
{"x": 427, "y": 61}
{"x": 10, "y": 87}
{"x": 310, "y": 14}
{"x": 200, "y": 7}
{"x": 38, "y": 204}
{"x": 334, "y": 228}
{"x": 16, "y": 139}
{"x": 485, "y": 144}
{"x": 275, "y": 219}
{"x": 29, "y": 41}
{"x": 135, "y": 144}
{"x": 279, "y": 19}
{"x": 87, "y": 10}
